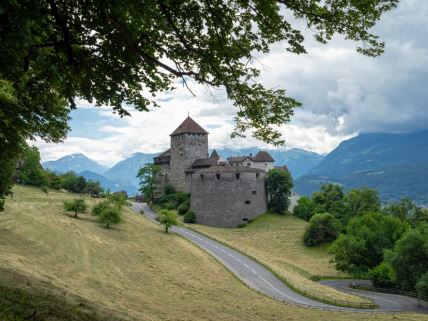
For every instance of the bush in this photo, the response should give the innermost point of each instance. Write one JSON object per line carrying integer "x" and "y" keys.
{"x": 174, "y": 200}
{"x": 189, "y": 217}
{"x": 45, "y": 189}
{"x": 382, "y": 276}
{"x": 323, "y": 228}
{"x": 168, "y": 189}
{"x": 184, "y": 207}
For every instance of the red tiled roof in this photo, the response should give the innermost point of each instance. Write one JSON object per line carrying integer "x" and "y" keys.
{"x": 189, "y": 126}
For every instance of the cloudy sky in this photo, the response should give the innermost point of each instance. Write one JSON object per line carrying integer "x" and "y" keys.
{"x": 343, "y": 93}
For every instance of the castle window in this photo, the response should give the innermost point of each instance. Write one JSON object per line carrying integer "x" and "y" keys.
{"x": 249, "y": 164}
{"x": 217, "y": 176}
{"x": 254, "y": 192}
{"x": 257, "y": 175}
{"x": 245, "y": 219}
{"x": 237, "y": 175}
{"x": 247, "y": 202}
{"x": 265, "y": 164}
{"x": 166, "y": 176}
{"x": 202, "y": 177}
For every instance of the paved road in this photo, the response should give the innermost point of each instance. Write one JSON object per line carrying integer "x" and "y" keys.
{"x": 262, "y": 280}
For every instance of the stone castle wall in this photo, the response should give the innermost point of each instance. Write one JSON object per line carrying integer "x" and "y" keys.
{"x": 226, "y": 201}
{"x": 185, "y": 148}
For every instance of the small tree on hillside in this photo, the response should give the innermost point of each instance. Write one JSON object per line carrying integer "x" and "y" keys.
{"x": 76, "y": 206}
{"x": 147, "y": 175}
{"x": 167, "y": 219}
{"x": 110, "y": 215}
{"x": 279, "y": 184}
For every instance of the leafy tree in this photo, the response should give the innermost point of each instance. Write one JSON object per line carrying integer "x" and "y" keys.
{"x": 100, "y": 207}
{"x": 147, "y": 175}
{"x": 323, "y": 228}
{"x": 382, "y": 276}
{"x": 409, "y": 258}
{"x": 30, "y": 172}
{"x": 406, "y": 210}
{"x": 360, "y": 201}
{"x": 116, "y": 53}
{"x": 279, "y": 184}
{"x": 118, "y": 200}
{"x": 76, "y": 206}
{"x": 73, "y": 183}
{"x": 55, "y": 181}
{"x": 366, "y": 238}
{"x": 422, "y": 286}
{"x": 167, "y": 219}
{"x": 93, "y": 188}
{"x": 330, "y": 200}
{"x": 110, "y": 215}
{"x": 304, "y": 208}
{"x": 189, "y": 217}
{"x": 168, "y": 190}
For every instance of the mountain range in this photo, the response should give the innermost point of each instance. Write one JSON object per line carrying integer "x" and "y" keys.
{"x": 395, "y": 164}
{"x": 122, "y": 176}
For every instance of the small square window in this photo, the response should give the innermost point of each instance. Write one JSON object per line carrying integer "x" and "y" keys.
{"x": 217, "y": 176}
{"x": 249, "y": 164}
{"x": 254, "y": 192}
{"x": 202, "y": 177}
{"x": 247, "y": 202}
{"x": 237, "y": 175}
{"x": 257, "y": 175}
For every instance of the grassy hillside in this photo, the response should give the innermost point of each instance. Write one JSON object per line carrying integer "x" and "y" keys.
{"x": 277, "y": 241}
{"x": 133, "y": 272}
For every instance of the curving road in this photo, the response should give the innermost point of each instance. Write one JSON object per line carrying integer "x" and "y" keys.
{"x": 262, "y": 280}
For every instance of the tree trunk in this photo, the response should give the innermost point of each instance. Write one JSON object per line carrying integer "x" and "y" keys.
{"x": 75, "y": 214}
{"x": 107, "y": 225}
{"x": 166, "y": 229}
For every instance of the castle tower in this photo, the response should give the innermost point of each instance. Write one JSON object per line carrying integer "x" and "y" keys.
{"x": 188, "y": 143}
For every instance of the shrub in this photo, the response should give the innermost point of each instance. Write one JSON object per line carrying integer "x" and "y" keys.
{"x": 382, "y": 276}
{"x": 184, "y": 207}
{"x": 323, "y": 228}
{"x": 189, "y": 217}
{"x": 45, "y": 189}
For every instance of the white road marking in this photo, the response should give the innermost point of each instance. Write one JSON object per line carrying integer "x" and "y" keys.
{"x": 280, "y": 292}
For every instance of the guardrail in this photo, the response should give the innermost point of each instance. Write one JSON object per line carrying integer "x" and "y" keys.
{"x": 389, "y": 290}
{"x": 304, "y": 292}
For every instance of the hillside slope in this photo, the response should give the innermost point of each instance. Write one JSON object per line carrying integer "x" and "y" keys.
{"x": 394, "y": 164}
{"x": 135, "y": 271}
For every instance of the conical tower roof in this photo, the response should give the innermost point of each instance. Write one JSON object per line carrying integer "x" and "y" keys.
{"x": 214, "y": 155}
{"x": 189, "y": 126}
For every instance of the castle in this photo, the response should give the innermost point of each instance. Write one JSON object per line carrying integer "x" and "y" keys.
{"x": 223, "y": 193}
